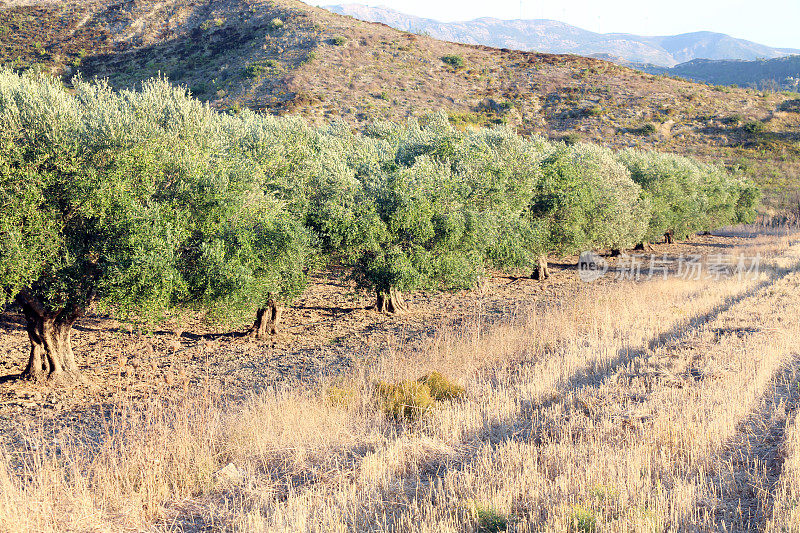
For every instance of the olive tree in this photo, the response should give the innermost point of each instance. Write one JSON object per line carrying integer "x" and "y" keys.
{"x": 117, "y": 199}
{"x": 687, "y": 196}
{"x": 587, "y": 199}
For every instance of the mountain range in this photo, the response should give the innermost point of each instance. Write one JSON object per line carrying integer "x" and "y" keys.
{"x": 555, "y": 37}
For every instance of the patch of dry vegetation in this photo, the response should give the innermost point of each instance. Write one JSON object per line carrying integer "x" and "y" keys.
{"x": 620, "y": 409}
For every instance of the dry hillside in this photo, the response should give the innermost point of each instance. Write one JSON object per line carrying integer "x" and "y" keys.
{"x": 283, "y": 56}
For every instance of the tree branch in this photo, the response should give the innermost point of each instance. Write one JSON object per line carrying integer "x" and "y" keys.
{"x": 76, "y": 311}
{"x": 31, "y": 302}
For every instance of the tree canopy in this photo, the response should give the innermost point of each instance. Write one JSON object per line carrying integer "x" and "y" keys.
{"x": 146, "y": 201}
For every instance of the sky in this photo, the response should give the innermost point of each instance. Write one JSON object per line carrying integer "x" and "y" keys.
{"x": 771, "y": 22}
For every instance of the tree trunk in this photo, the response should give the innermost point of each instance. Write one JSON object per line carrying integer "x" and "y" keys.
{"x": 669, "y": 237}
{"x": 51, "y": 349}
{"x": 643, "y": 246}
{"x": 267, "y": 320}
{"x": 391, "y": 303}
{"x": 542, "y": 270}
{"x": 616, "y": 252}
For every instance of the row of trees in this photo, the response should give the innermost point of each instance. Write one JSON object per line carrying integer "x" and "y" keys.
{"x": 146, "y": 201}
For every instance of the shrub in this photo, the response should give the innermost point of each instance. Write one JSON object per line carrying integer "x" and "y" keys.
{"x": 454, "y": 61}
{"x": 275, "y": 24}
{"x": 490, "y": 521}
{"x": 253, "y": 70}
{"x": 754, "y": 127}
{"x": 441, "y": 388}
{"x": 593, "y": 111}
{"x": 340, "y": 396}
{"x": 405, "y": 400}
{"x": 792, "y": 106}
{"x": 582, "y": 520}
{"x": 733, "y": 120}
{"x": 647, "y": 129}
{"x": 338, "y": 41}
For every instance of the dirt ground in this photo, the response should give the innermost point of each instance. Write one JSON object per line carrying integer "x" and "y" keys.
{"x": 326, "y": 332}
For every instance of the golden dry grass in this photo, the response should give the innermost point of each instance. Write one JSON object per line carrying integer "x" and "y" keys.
{"x": 627, "y": 407}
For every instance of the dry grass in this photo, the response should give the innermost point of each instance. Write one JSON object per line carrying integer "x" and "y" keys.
{"x": 628, "y": 407}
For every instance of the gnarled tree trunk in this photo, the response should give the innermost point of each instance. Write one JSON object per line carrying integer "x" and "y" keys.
{"x": 616, "y": 252}
{"x": 50, "y": 334}
{"x": 267, "y": 320}
{"x": 669, "y": 237}
{"x": 391, "y": 303}
{"x": 541, "y": 271}
{"x": 643, "y": 246}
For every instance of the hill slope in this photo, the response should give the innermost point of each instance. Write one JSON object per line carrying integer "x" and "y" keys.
{"x": 783, "y": 72}
{"x": 283, "y": 56}
{"x": 560, "y": 38}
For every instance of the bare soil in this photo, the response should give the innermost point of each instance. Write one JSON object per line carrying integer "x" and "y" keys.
{"x": 327, "y": 332}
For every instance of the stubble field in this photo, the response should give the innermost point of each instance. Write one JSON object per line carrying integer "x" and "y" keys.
{"x": 620, "y": 405}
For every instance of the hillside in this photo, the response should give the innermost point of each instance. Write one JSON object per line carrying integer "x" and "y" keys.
{"x": 783, "y": 72}
{"x": 283, "y": 56}
{"x": 559, "y": 38}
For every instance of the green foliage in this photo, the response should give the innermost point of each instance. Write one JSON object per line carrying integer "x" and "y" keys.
{"x": 593, "y": 111}
{"x": 256, "y": 70}
{"x": 754, "y": 127}
{"x": 582, "y": 520}
{"x": 734, "y": 120}
{"x": 490, "y": 520}
{"x": 154, "y": 201}
{"x": 407, "y": 400}
{"x": 442, "y": 388}
{"x": 791, "y": 106}
{"x": 410, "y": 399}
{"x": 454, "y": 61}
{"x": 338, "y": 40}
{"x": 587, "y": 199}
{"x": 135, "y": 198}
{"x": 647, "y": 129}
{"x": 686, "y": 197}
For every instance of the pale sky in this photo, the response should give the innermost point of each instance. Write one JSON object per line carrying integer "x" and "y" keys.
{"x": 771, "y": 22}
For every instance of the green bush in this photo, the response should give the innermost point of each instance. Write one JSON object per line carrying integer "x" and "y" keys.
{"x": 754, "y": 127}
{"x": 733, "y": 120}
{"x": 442, "y": 388}
{"x": 338, "y": 41}
{"x": 593, "y": 111}
{"x": 407, "y": 400}
{"x": 582, "y": 520}
{"x": 454, "y": 61}
{"x": 791, "y": 106}
{"x": 647, "y": 129}
{"x": 490, "y": 520}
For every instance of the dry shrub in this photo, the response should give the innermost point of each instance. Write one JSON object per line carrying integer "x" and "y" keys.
{"x": 441, "y": 387}
{"x": 405, "y": 400}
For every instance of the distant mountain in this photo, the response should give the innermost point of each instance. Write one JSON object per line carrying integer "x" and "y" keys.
{"x": 780, "y": 73}
{"x": 559, "y": 38}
